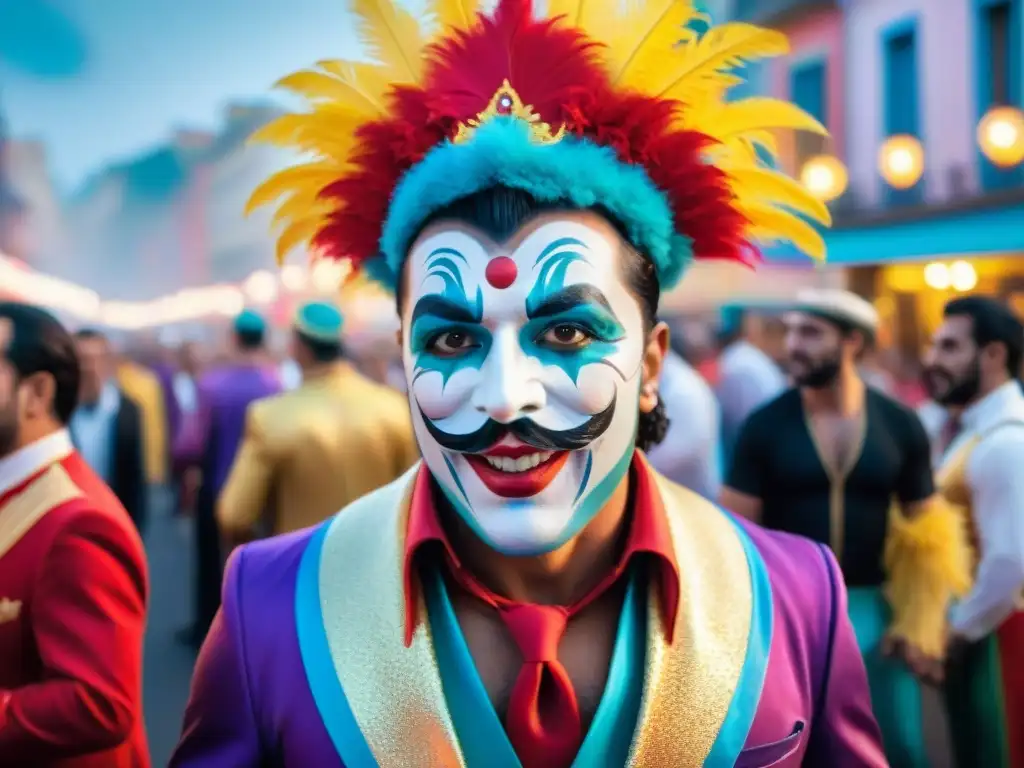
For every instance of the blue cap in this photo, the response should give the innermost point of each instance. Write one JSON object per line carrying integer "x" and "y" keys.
{"x": 248, "y": 321}
{"x": 320, "y": 321}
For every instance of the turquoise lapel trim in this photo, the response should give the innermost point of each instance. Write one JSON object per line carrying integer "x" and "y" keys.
{"x": 481, "y": 735}
{"x": 743, "y": 707}
{"x": 319, "y": 666}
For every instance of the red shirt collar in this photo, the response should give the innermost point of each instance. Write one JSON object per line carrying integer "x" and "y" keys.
{"x": 649, "y": 534}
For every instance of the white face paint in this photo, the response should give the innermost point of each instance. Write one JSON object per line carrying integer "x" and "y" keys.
{"x": 524, "y": 374}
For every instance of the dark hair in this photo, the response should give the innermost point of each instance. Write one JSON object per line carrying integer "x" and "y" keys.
{"x": 499, "y": 212}
{"x": 90, "y": 334}
{"x": 992, "y": 322}
{"x": 322, "y": 351}
{"x": 249, "y": 338}
{"x": 42, "y": 345}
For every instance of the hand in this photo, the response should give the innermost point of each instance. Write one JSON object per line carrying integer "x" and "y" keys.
{"x": 927, "y": 669}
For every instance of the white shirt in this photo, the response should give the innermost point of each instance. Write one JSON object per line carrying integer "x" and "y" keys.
{"x": 995, "y": 475}
{"x": 19, "y": 466}
{"x": 184, "y": 388}
{"x": 690, "y": 453}
{"x": 291, "y": 375}
{"x": 93, "y": 431}
{"x": 747, "y": 379}
{"x": 933, "y": 417}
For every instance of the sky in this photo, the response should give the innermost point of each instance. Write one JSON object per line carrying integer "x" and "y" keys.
{"x": 146, "y": 67}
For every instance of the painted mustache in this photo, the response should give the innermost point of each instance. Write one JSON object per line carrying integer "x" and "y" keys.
{"x": 527, "y": 431}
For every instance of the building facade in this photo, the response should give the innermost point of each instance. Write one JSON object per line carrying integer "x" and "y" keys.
{"x": 871, "y": 70}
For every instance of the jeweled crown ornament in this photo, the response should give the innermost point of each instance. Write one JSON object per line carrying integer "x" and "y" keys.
{"x": 506, "y": 103}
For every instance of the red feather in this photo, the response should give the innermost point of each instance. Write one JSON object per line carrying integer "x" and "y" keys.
{"x": 557, "y": 71}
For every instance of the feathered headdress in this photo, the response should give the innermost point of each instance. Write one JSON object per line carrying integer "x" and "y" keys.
{"x": 593, "y": 105}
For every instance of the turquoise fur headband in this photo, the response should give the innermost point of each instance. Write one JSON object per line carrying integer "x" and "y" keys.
{"x": 502, "y": 153}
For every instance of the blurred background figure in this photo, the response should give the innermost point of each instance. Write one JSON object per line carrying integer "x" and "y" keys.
{"x": 208, "y": 443}
{"x": 309, "y": 452}
{"x": 971, "y": 367}
{"x": 107, "y": 426}
{"x": 143, "y": 386}
{"x": 748, "y": 376}
{"x": 73, "y": 576}
{"x": 690, "y": 453}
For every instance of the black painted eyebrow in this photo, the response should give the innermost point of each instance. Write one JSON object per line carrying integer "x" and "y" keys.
{"x": 438, "y": 306}
{"x": 569, "y": 298}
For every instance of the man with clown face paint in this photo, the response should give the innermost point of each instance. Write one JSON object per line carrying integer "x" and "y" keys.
{"x": 526, "y": 397}
{"x": 533, "y": 593}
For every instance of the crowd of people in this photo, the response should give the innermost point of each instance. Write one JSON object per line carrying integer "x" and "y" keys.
{"x": 566, "y": 543}
{"x": 808, "y": 447}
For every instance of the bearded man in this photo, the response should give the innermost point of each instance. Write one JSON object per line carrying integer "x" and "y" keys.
{"x": 825, "y": 460}
{"x": 532, "y": 593}
{"x": 73, "y": 582}
{"x": 971, "y": 368}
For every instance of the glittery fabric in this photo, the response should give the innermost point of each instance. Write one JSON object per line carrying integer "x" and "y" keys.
{"x": 689, "y": 685}
{"x": 394, "y": 692}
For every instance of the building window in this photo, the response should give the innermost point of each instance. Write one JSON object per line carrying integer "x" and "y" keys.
{"x": 808, "y": 90}
{"x": 998, "y": 62}
{"x": 902, "y": 107}
{"x": 1000, "y": 46}
{"x": 744, "y": 9}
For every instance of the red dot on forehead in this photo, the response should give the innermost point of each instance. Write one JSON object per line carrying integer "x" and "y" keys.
{"x": 501, "y": 272}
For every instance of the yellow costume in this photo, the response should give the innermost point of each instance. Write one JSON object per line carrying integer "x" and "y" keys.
{"x": 144, "y": 388}
{"x": 310, "y": 452}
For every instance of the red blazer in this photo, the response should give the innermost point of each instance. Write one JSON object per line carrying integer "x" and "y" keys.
{"x": 73, "y": 593}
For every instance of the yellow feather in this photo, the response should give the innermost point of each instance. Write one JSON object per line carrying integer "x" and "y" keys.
{"x": 758, "y": 114}
{"x": 366, "y": 84}
{"x": 310, "y": 175}
{"x": 328, "y": 134}
{"x": 769, "y": 224}
{"x": 297, "y": 233}
{"x": 643, "y": 39}
{"x": 763, "y": 185}
{"x": 455, "y": 14}
{"x": 299, "y": 205}
{"x": 319, "y": 87}
{"x": 701, "y": 63}
{"x": 392, "y": 36}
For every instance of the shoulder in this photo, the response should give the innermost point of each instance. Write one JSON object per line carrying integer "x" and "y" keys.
{"x": 891, "y": 408}
{"x": 780, "y": 409}
{"x": 1000, "y": 452}
{"x": 265, "y": 570}
{"x": 804, "y": 578}
{"x": 89, "y": 516}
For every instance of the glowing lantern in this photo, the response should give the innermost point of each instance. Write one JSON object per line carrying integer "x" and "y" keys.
{"x": 825, "y": 177}
{"x": 901, "y": 161}
{"x": 1001, "y": 136}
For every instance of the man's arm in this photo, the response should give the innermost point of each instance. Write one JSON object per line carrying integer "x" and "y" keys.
{"x": 915, "y": 487}
{"x": 243, "y": 499}
{"x": 220, "y": 728}
{"x": 844, "y": 733}
{"x": 745, "y": 484}
{"x": 88, "y": 618}
{"x": 996, "y": 475}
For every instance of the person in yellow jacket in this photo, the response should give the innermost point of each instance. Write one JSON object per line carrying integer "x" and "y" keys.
{"x": 143, "y": 386}
{"x": 309, "y": 452}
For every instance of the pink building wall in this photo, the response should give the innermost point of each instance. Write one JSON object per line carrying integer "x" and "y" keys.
{"x": 818, "y": 35}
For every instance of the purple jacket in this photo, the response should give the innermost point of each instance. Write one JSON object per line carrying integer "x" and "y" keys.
{"x": 224, "y": 396}
{"x": 254, "y": 698}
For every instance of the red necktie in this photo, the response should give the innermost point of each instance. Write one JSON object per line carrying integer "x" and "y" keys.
{"x": 543, "y": 719}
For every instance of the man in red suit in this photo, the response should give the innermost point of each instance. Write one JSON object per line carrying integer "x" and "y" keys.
{"x": 73, "y": 581}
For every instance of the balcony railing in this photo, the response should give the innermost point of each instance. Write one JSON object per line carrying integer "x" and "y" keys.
{"x": 778, "y": 12}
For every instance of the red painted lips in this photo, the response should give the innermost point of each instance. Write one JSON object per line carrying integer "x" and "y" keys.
{"x": 517, "y": 484}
